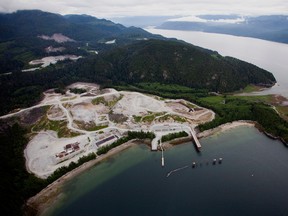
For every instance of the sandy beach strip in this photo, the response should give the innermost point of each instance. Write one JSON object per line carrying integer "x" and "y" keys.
{"x": 225, "y": 127}
{"x": 37, "y": 204}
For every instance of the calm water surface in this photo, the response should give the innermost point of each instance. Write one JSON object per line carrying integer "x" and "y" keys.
{"x": 252, "y": 180}
{"x": 269, "y": 55}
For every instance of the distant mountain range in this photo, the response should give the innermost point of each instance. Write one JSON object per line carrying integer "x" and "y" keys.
{"x": 111, "y": 53}
{"x": 79, "y": 27}
{"x": 272, "y": 28}
{"x": 21, "y": 41}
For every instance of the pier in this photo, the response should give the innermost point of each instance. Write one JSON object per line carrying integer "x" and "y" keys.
{"x": 154, "y": 144}
{"x": 162, "y": 159}
{"x": 163, "y": 129}
{"x": 196, "y": 141}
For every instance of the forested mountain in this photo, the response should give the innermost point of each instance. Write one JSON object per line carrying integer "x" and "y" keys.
{"x": 136, "y": 56}
{"x": 273, "y": 27}
{"x": 184, "y": 64}
{"x": 22, "y": 33}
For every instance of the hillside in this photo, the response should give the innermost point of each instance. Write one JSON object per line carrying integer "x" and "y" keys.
{"x": 184, "y": 64}
{"x": 272, "y": 28}
{"x": 26, "y": 35}
{"x": 105, "y": 53}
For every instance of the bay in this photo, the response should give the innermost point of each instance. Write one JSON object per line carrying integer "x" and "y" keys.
{"x": 268, "y": 55}
{"x": 251, "y": 180}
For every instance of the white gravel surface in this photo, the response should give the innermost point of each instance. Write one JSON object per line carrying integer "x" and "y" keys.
{"x": 41, "y": 150}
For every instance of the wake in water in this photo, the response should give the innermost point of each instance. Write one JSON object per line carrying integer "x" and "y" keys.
{"x": 176, "y": 170}
{"x": 194, "y": 164}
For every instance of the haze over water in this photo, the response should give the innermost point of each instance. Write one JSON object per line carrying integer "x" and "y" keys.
{"x": 268, "y": 55}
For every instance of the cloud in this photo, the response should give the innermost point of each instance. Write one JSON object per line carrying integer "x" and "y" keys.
{"x": 116, "y": 8}
{"x": 197, "y": 19}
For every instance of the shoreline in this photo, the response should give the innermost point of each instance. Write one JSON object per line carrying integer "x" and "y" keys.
{"x": 225, "y": 127}
{"x": 210, "y": 132}
{"x": 38, "y": 204}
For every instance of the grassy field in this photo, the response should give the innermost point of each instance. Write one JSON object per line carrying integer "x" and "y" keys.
{"x": 91, "y": 126}
{"x": 249, "y": 89}
{"x": 148, "y": 118}
{"x": 59, "y": 126}
{"x": 283, "y": 111}
{"x": 99, "y": 100}
{"x": 174, "y": 117}
{"x": 109, "y": 103}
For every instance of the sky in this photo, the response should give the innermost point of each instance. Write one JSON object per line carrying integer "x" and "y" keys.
{"x": 123, "y": 8}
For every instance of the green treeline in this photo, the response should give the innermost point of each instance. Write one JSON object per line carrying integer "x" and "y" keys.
{"x": 77, "y": 90}
{"x": 271, "y": 121}
{"x": 140, "y": 135}
{"x": 131, "y": 135}
{"x": 63, "y": 170}
{"x": 172, "y": 136}
{"x": 236, "y": 108}
{"x": 106, "y": 148}
{"x": 172, "y": 91}
{"x": 16, "y": 183}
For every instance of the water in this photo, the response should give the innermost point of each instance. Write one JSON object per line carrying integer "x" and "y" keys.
{"x": 252, "y": 180}
{"x": 269, "y": 55}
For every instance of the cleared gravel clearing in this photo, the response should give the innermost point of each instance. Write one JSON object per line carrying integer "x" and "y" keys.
{"x": 84, "y": 119}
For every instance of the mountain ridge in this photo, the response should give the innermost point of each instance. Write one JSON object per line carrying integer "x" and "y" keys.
{"x": 270, "y": 27}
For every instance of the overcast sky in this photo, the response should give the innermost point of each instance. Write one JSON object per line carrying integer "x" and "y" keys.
{"x": 118, "y": 8}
